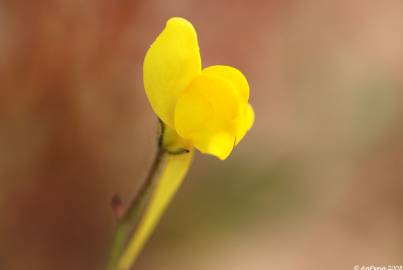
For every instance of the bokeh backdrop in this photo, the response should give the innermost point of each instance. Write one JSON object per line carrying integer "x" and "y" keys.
{"x": 316, "y": 184}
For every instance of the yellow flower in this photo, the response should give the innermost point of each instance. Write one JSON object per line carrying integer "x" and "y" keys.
{"x": 208, "y": 108}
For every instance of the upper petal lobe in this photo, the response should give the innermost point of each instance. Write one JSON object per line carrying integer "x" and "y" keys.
{"x": 170, "y": 64}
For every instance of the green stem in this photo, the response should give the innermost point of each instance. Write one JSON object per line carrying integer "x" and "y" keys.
{"x": 169, "y": 180}
{"x": 134, "y": 210}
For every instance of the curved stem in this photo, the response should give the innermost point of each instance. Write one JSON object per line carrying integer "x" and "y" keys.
{"x": 169, "y": 180}
{"x": 134, "y": 210}
{"x": 167, "y": 172}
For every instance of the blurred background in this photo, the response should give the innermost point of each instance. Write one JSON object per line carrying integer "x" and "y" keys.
{"x": 316, "y": 184}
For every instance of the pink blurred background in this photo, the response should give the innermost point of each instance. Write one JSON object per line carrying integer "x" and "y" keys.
{"x": 316, "y": 184}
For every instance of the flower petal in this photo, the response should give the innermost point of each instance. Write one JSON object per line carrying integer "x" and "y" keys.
{"x": 207, "y": 114}
{"x": 217, "y": 144}
{"x": 191, "y": 113}
{"x": 244, "y": 122}
{"x": 170, "y": 64}
{"x": 234, "y": 76}
{"x": 216, "y": 94}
